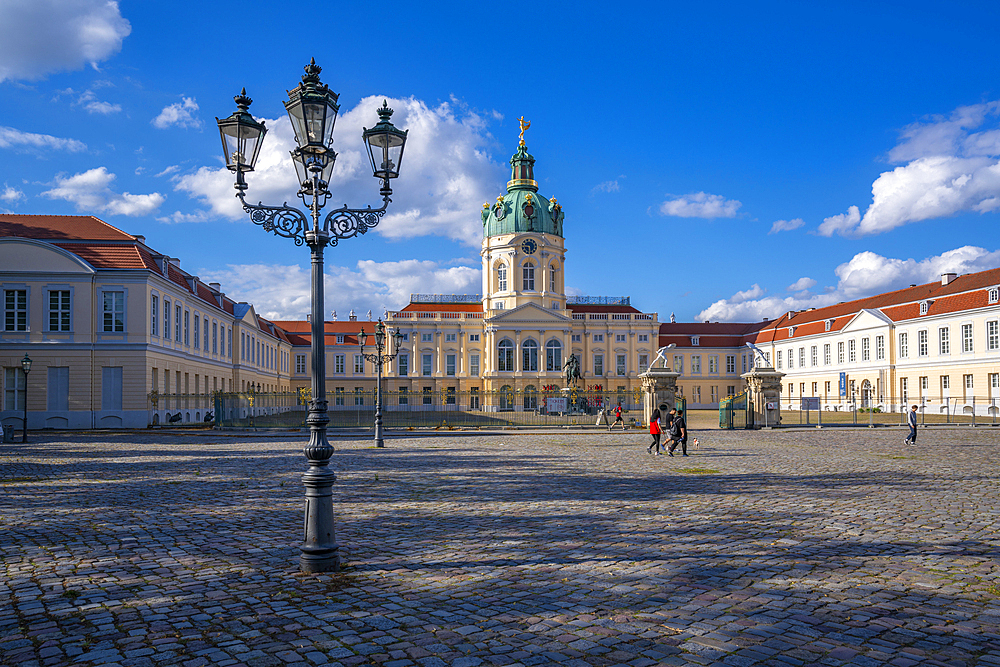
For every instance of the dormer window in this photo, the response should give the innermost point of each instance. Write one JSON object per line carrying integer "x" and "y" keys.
{"x": 791, "y": 331}
{"x": 340, "y": 338}
{"x": 695, "y": 340}
{"x": 994, "y": 294}
{"x": 923, "y": 307}
{"x": 829, "y": 324}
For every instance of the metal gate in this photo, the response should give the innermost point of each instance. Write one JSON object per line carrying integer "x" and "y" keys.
{"x": 736, "y": 411}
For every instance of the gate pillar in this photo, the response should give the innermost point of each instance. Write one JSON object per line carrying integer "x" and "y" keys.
{"x": 764, "y": 385}
{"x": 659, "y": 387}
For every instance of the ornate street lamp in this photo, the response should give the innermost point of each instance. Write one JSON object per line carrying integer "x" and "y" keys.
{"x": 379, "y": 358}
{"x": 26, "y": 367}
{"x": 312, "y": 108}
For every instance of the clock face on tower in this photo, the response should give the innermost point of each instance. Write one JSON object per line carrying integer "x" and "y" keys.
{"x": 529, "y": 246}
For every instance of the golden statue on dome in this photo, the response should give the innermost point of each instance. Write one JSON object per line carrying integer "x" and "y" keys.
{"x": 525, "y": 124}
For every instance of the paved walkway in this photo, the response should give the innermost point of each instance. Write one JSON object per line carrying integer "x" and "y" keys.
{"x": 771, "y": 548}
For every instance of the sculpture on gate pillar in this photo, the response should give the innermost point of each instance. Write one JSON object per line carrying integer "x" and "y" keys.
{"x": 572, "y": 368}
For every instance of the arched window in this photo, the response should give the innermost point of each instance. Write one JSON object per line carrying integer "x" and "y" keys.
{"x": 506, "y": 402}
{"x": 529, "y": 361}
{"x": 553, "y": 355}
{"x": 529, "y": 277}
{"x": 502, "y": 278}
{"x": 530, "y": 397}
{"x": 552, "y": 277}
{"x": 505, "y": 361}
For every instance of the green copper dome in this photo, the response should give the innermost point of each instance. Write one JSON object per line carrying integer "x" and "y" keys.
{"x": 522, "y": 209}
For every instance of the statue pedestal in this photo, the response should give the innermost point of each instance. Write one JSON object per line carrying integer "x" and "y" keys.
{"x": 659, "y": 386}
{"x": 764, "y": 385}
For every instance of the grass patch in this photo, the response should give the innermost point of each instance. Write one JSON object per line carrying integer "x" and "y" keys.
{"x": 20, "y": 480}
{"x": 697, "y": 471}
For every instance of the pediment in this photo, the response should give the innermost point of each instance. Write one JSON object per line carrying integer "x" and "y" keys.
{"x": 867, "y": 318}
{"x": 530, "y": 313}
{"x": 20, "y": 255}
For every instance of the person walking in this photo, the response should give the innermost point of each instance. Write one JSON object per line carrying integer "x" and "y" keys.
{"x": 655, "y": 430}
{"x": 911, "y": 421}
{"x": 618, "y": 417}
{"x": 678, "y": 433}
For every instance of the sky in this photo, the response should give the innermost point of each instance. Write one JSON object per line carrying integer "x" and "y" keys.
{"x": 723, "y": 161}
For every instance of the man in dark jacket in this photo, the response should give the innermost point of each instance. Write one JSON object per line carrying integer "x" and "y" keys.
{"x": 678, "y": 433}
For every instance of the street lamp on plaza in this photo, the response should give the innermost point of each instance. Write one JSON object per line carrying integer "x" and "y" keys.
{"x": 379, "y": 358}
{"x": 26, "y": 367}
{"x": 312, "y": 108}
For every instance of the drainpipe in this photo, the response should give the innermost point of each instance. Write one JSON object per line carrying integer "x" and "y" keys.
{"x": 93, "y": 343}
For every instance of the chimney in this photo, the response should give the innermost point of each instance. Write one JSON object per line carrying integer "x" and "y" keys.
{"x": 216, "y": 287}
{"x": 947, "y": 278}
{"x": 140, "y": 238}
{"x": 309, "y": 318}
{"x": 763, "y": 319}
{"x": 176, "y": 262}
{"x": 913, "y": 284}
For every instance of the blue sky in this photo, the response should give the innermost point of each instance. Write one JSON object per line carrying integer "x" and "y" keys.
{"x": 718, "y": 161}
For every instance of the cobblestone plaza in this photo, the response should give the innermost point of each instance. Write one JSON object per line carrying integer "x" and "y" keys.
{"x": 840, "y": 546}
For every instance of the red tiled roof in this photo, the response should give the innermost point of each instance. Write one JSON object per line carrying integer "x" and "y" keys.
{"x": 710, "y": 334}
{"x": 305, "y": 327}
{"x": 103, "y": 256}
{"x": 66, "y": 227}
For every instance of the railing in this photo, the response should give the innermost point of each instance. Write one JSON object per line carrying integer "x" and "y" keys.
{"x": 446, "y": 298}
{"x": 621, "y": 316}
{"x": 971, "y": 410}
{"x": 599, "y": 300}
{"x": 179, "y": 409}
{"x": 597, "y": 316}
{"x": 498, "y": 409}
{"x": 579, "y": 316}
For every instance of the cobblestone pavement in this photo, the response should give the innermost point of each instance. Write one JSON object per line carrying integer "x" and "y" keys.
{"x": 793, "y": 547}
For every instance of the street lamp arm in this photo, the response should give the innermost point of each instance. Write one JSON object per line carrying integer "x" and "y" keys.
{"x": 345, "y": 223}
{"x": 279, "y": 220}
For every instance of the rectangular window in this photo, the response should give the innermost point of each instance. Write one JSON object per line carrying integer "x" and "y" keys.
{"x": 15, "y": 310}
{"x": 802, "y": 389}
{"x": 166, "y": 320}
{"x": 865, "y": 349}
{"x": 338, "y": 396}
{"x": 678, "y": 363}
{"x": 619, "y": 338}
{"x": 715, "y": 394}
{"x": 474, "y": 365}
{"x": 791, "y": 389}
{"x": 713, "y": 364}
{"x": 206, "y": 335}
{"x": 359, "y": 396}
{"x": 695, "y": 340}
{"x": 966, "y": 338}
{"x": 620, "y": 365}
{"x": 802, "y": 357}
{"x": 474, "y": 398}
{"x": 598, "y": 364}
{"x": 731, "y": 390}
{"x": 826, "y": 354}
{"x": 300, "y": 363}
{"x": 450, "y": 338}
{"x": 153, "y": 324}
{"x": 403, "y": 365}
{"x": 696, "y": 394}
{"x": 643, "y": 338}
{"x": 215, "y": 337}
{"x": 992, "y": 335}
{"x": 177, "y": 323}
{"x": 473, "y": 338}
{"x": 111, "y": 388}
{"x": 922, "y": 343}
{"x": 59, "y": 310}
{"x": 339, "y": 363}
{"x": 993, "y": 294}
{"x": 13, "y": 388}
{"x": 945, "y": 385}
{"x": 966, "y": 387}
{"x": 57, "y": 391}
{"x": 598, "y": 338}
{"x": 695, "y": 363}
{"x": 449, "y": 365}
{"x": 114, "y": 312}
{"x": 840, "y": 352}
{"x": 904, "y": 346}
{"x": 449, "y": 396}
{"x": 852, "y": 354}
{"x": 576, "y": 338}
{"x": 880, "y": 347}
{"x": 924, "y": 385}
{"x": 791, "y": 358}
{"x": 500, "y": 305}
{"x": 814, "y": 355}
{"x": 426, "y": 337}
{"x": 826, "y": 388}
{"x": 404, "y": 396}
{"x": 528, "y": 277}
{"x": 643, "y": 362}
{"x": 428, "y": 398}
{"x": 425, "y": 365}
{"x": 815, "y": 388}
{"x": 944, "y": 341}
{"x": 730, "y": 363}
{"x": 359, "y": 364}
{"x": 187, "y": 328}
{"x": 779, "y": 357}
{"x": 229, "y": 339}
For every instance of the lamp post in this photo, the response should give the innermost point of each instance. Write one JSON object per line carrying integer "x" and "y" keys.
{"x": 379, "y": 358}
{"x": 312, "y": 108}
{"x": 26, "y": 367}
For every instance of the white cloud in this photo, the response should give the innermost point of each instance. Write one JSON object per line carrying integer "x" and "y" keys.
{"x": 11, "y": 195}
{"x": 949, "y": 169}
{"x": 865, "y": 274}
{"x": 700, "y": 205}
{"x": 786, "y": 225}
{"x": 180, "y": 114}
{"x": 803, "y": 283}
{"x": 11, "y": 138}
{"x": 38, "y": 37}
{"x": 283, "y": 292}
{"x": 90, "y": 102}
{"x": 177, "y": 216}
{"x": 606, "y": 186}
{"x": 90, "y": 191}
{"x": 446, "y": 173}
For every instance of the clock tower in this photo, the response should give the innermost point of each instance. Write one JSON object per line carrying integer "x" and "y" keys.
{"x": 523, "y": 249}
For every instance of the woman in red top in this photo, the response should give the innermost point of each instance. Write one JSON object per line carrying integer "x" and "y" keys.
{"x": 654, "y": 430}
